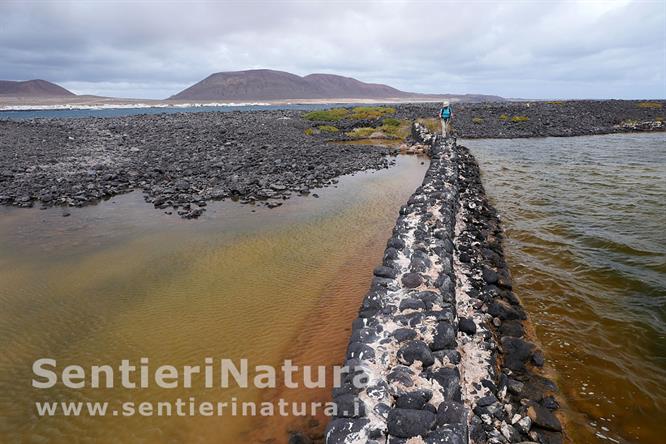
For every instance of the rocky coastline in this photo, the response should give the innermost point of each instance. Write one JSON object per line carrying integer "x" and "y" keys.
{"x": 440, "y": 336}
{"x": 180, "y": 161}
{"x": 183, "y": 161}
{"x": 506, "y": 120}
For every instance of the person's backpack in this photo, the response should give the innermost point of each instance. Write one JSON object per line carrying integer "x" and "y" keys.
{"x": 446, "y": 113}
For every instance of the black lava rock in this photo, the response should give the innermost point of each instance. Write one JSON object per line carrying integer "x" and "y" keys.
{"x": 490, "y": 276}
{"x": 543, "y": 417}
{"x": 349, "y": 406}
{"x": 451, "y": 412}
{"x": 401, "y": 374}
{"x": 445, "y": 337}
{"x": 467, "y": 325}
{"x": 408, "y": 423}
{"x": 412, "y": 304}
{"x": 449, "y": 379}
{"x": 516, "y": 353}
{"x": 385, "y": 272}
{"x": 411, "y": 280}
{"x": 414, "y": 400}
{"x": 416, "y": 351}
{"x": 512, "y": 328}
{"x": 338, "y": 429}
{"x": 404, "y": 334}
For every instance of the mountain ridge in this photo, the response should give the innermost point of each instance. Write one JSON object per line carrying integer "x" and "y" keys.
{"x": 33, "y": 88}
{"x": 267, "y": 84}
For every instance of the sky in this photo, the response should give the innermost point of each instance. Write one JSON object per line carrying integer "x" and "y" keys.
{"x": 516, "y": 49}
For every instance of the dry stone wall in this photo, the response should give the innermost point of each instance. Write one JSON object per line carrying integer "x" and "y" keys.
{"x": 439, "y": 342}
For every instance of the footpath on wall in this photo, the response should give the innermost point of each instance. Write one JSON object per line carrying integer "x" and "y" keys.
{"x": 440, "y": 340}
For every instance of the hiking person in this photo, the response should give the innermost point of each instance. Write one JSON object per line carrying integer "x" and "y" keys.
{"x": 445, "y": 114}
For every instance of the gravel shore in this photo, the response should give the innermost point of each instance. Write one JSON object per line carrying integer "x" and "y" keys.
{"x": 544, "y": 119}
{"x": 182, "y": 161}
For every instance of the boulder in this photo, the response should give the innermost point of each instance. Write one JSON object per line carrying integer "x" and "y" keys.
{"x": 408, "y": 423}
{"x": 414, "y": 400}
{"x": 467, "y": 326}
{"x": 543, "y": 417}
{"x": 416, "y": 351}
{"x": 339, "y": 429}
{"x": 411, "y": 280}
{"x": 445, "y": 337}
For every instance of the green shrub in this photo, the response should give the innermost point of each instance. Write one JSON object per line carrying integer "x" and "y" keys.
{"x": 361, "y": 133}
{"x": 503, "y": 117}
{"x": 357, "y": 113}
{"x": 371, "y": 112}
{"x": 391, "y": 121}
{"x": 653, "y": 105}
{"x": 328, "y": 129}
{"x": 327, "y": 115}
{"x": 399, "y": 131}
{"x": 520, "y": 119}
{"x": 477, "y": 120}
{"x": 310, "y": 131}
{"x": 433, "y": 124}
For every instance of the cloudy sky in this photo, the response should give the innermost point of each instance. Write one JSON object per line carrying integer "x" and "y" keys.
{"x": 520, "y": 48}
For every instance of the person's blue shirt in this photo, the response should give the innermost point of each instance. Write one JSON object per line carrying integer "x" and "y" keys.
{"x": 446, "y": 112}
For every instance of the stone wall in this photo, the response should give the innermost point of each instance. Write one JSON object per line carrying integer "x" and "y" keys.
{"x": 439, "y": 339}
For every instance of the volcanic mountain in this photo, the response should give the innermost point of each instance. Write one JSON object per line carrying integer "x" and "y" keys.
{"x": 266, "y": 84}
{"x": 32, "y": 88}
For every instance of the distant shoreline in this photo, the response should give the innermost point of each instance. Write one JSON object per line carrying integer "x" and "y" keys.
{"x": 199, "y": 156}
{"x": 99, "y": 103}
{"x": 95, "y": 102}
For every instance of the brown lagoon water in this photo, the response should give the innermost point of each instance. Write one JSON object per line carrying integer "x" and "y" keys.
{"x": 586, "y": 242}
{"x": 121, "y": 280}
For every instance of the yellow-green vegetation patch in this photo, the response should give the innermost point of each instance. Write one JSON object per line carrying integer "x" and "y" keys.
{"x": 321, "y": 129}
{"x": 433, "y": 124}
{"x": 477, "y": 120}
{"x": 630, "y": 122}
{"x": 357, "y": 113}
{"x": 503, "y": 117}
{"x": 520, "y": 119}
{"x": 362, "y": 133}
{"x": 653, "y": 105}
{"x": 659, "y": 119}
{"x": 327, "y": 115}
{"x": 328, "y": 129}
{"x": 555, "y": 102}
{"x": 371, "y": 112}
{"x": 399, "y": 129}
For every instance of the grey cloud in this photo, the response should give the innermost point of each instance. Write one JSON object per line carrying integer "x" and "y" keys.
{"x": 515, "y": 49}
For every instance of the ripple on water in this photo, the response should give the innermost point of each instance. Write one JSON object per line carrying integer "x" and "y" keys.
{"x": 584, "y": 224}
{"x": 121, "y": 280}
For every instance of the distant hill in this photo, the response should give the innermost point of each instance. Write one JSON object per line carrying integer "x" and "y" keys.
{"x": 32, "y": 88}
{"x": 266, "y": 84}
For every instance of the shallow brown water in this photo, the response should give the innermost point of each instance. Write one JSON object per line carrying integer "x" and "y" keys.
{"x": 121, "y": 280}
{"x": 584, "y": 219}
